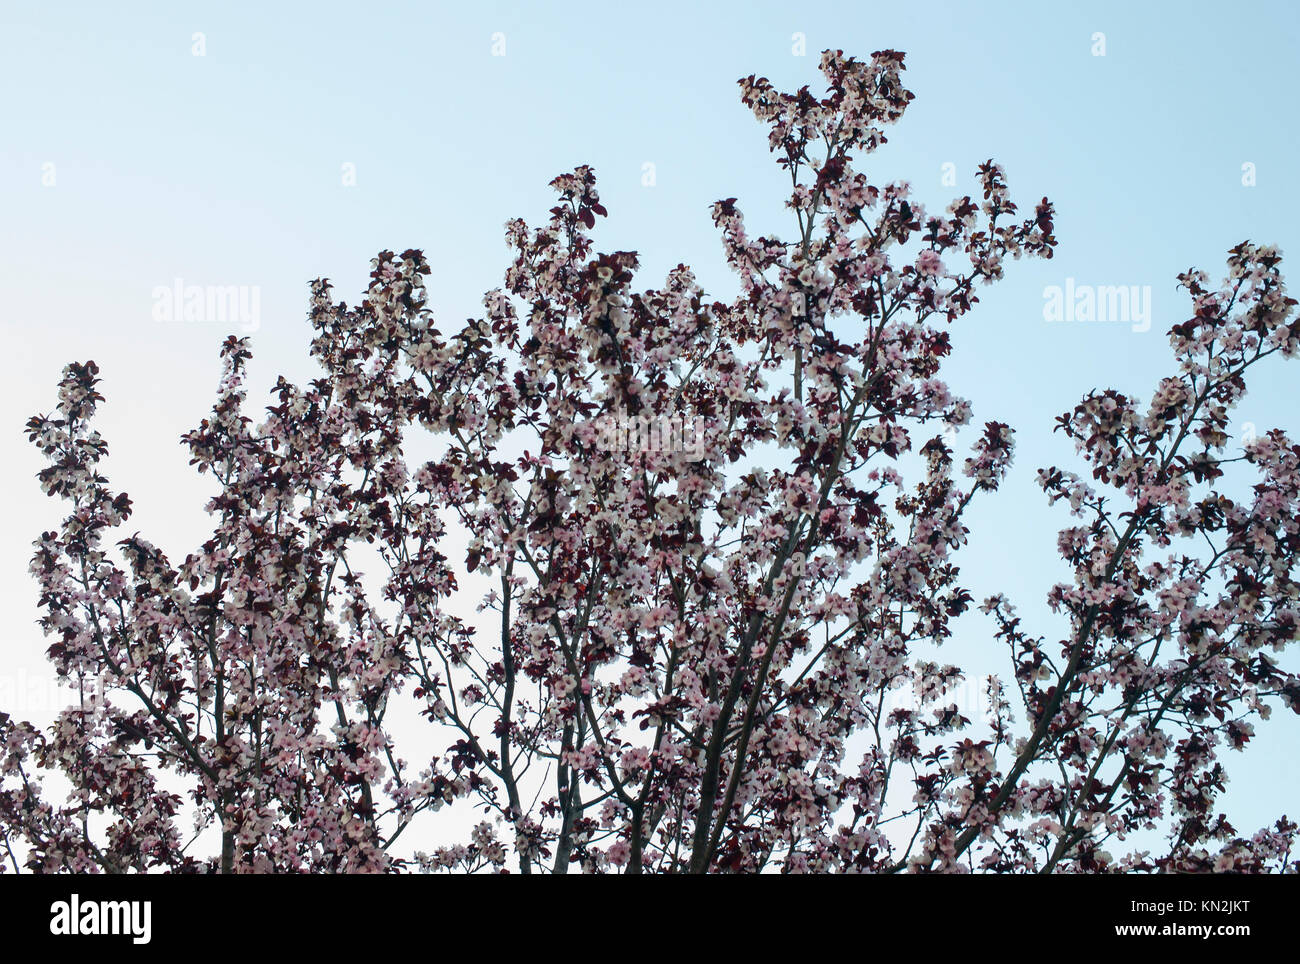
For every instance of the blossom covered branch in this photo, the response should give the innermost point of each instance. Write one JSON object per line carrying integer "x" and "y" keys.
{"x": 672, "y": 658}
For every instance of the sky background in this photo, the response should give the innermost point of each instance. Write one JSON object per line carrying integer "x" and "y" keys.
{"x": 228, "y": 169}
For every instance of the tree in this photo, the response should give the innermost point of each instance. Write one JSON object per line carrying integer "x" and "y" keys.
{"x": 706, "y": 576}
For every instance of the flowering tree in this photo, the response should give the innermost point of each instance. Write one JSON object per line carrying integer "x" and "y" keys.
{"x": 684, "y": 656}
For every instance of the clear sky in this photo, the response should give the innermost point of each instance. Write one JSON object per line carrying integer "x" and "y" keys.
{"x": 127, "y": 162}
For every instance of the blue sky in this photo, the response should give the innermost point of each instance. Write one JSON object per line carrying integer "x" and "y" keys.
{"x": 226, "y": 169}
